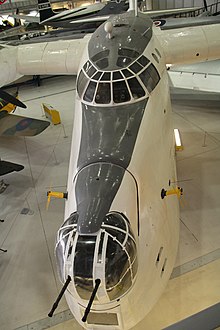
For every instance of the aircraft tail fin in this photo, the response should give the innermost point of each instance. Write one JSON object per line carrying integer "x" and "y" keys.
{"x": 13, "y": 125}
{"x": 45, "y": 10}
{"x": 8, "y": 167}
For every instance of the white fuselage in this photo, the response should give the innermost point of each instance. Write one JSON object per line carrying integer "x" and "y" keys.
{"x": 154, "y": 221}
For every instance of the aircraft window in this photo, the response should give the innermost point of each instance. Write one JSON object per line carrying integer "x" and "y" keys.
{"x": 131, "y": 248}
{"x": 128, "y": 52}
{"x": 86, "y": 66}
{"x": 100, "y": 55}
{"x": 60, "y": 253}
{"x": 123, "y": 61}
{"x": 81, "y": 83}
{"x": 91, "y": 71}
{"x": 127, "y": 73}
{"x": 117, "y": 263}
{"x": 135, "y": 67}
{"x": 150, "y": 77}
{"x": 135, "y": 87}
{"x": 119, "y": 235}
{"x": 90, "y": 91}
{"x": 106, "y": 76}
{"x": 68, "y": 225}
{"x": 117, "y": 75}
{"x": 83, "y": 265}
{"x": 120, "y": 92}
{"x": 134, "y": 267}
{"x": 97, "y": 75}
{"x": 143, "y": 61}
{"x": 103, "y": 94}
{"x": 116, "y": 220}
{"x": 118, "y": 275}
{"x": 102, "y": 64}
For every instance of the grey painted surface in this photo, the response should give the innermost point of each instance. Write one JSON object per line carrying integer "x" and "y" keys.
{"x": 126, "y": 35}
{"x": 96, "y": 187}
{"x": 207, "y": 319}
{"x": 107, "y": 143}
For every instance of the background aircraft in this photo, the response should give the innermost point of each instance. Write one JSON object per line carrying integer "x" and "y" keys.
{"x": 122, "y": 82}
{"x": 13, "y": 125}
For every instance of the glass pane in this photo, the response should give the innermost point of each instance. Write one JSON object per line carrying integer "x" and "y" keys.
{"x": 81, "y": 83}
{"x": 103, "y": 94}
{"x": 117, "y": 75}
{"x": 97, "y": 75}
{"x": 120, "y": 236}
{"x": 106, "y": 76}
{"x": 89, "y": 94}
{"x": 131, "y": 249}
{"x": 116, "y": 220}
{"x": 128, "y": 52}
{"x": 127, "y": 73}
{"x": 134, "y": 267}
{"x": 86, "y": 66}
{"x": 136, "y": 89}
{"x": 143, "y": 60}
{"x": 100, "y": 55}
{"x": 91, "y": 71}
{"x": 102, "y": 64}
{"x": 123, "y": 61}
{"x": 135, "y": 67}
{"x": 150, "y": 77}
{"x": 120, "y": 92}
{"x": 83, "y": 265}
{"x": 116, "y": 263}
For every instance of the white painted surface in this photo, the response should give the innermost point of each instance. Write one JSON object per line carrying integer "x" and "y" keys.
{"x": 29, "y": 283}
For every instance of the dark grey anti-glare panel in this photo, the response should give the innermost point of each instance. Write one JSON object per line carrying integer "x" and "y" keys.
{"x": 96, "y": 187}
{"x": 109, "y": 133}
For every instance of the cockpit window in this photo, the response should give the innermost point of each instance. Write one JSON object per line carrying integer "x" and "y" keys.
{"x": 143, "y": 61}
{"x": 136, "y": 89}
{"x": 100, "y": 55}
{"x": 135, "y": 67}
{"x": 97, "y": 75}
{"x": 91, "y": 71}
{"x": 81, "y": 83}
{"x": 128, "y": 52}
{"x": 102, "y": 64}
{"x": 103, "y": 94}
{"x": 120, "y": 92}
{"x": 117, "y": 75}
{"x": 122, "y": 62}
{"x": 106, "y": 76}
{"x": 90, "y": 91}
{"x": 119, "y": 86}
{"x": 127, "y": 73}
{"x": 150, "y": 77}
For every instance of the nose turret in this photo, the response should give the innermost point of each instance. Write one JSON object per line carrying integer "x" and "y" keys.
{"x": 109, "y": 255}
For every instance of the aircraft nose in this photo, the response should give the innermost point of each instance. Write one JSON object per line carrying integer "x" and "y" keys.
{"x": 110, "y": 255}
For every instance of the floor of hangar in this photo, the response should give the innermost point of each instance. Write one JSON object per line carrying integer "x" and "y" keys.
{"x": 28, "y": 279}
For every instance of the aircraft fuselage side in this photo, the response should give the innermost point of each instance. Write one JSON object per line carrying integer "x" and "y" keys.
{"x": 118, "y": 228}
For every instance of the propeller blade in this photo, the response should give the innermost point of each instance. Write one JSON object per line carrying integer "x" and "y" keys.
{"x": 11, "y": 99}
